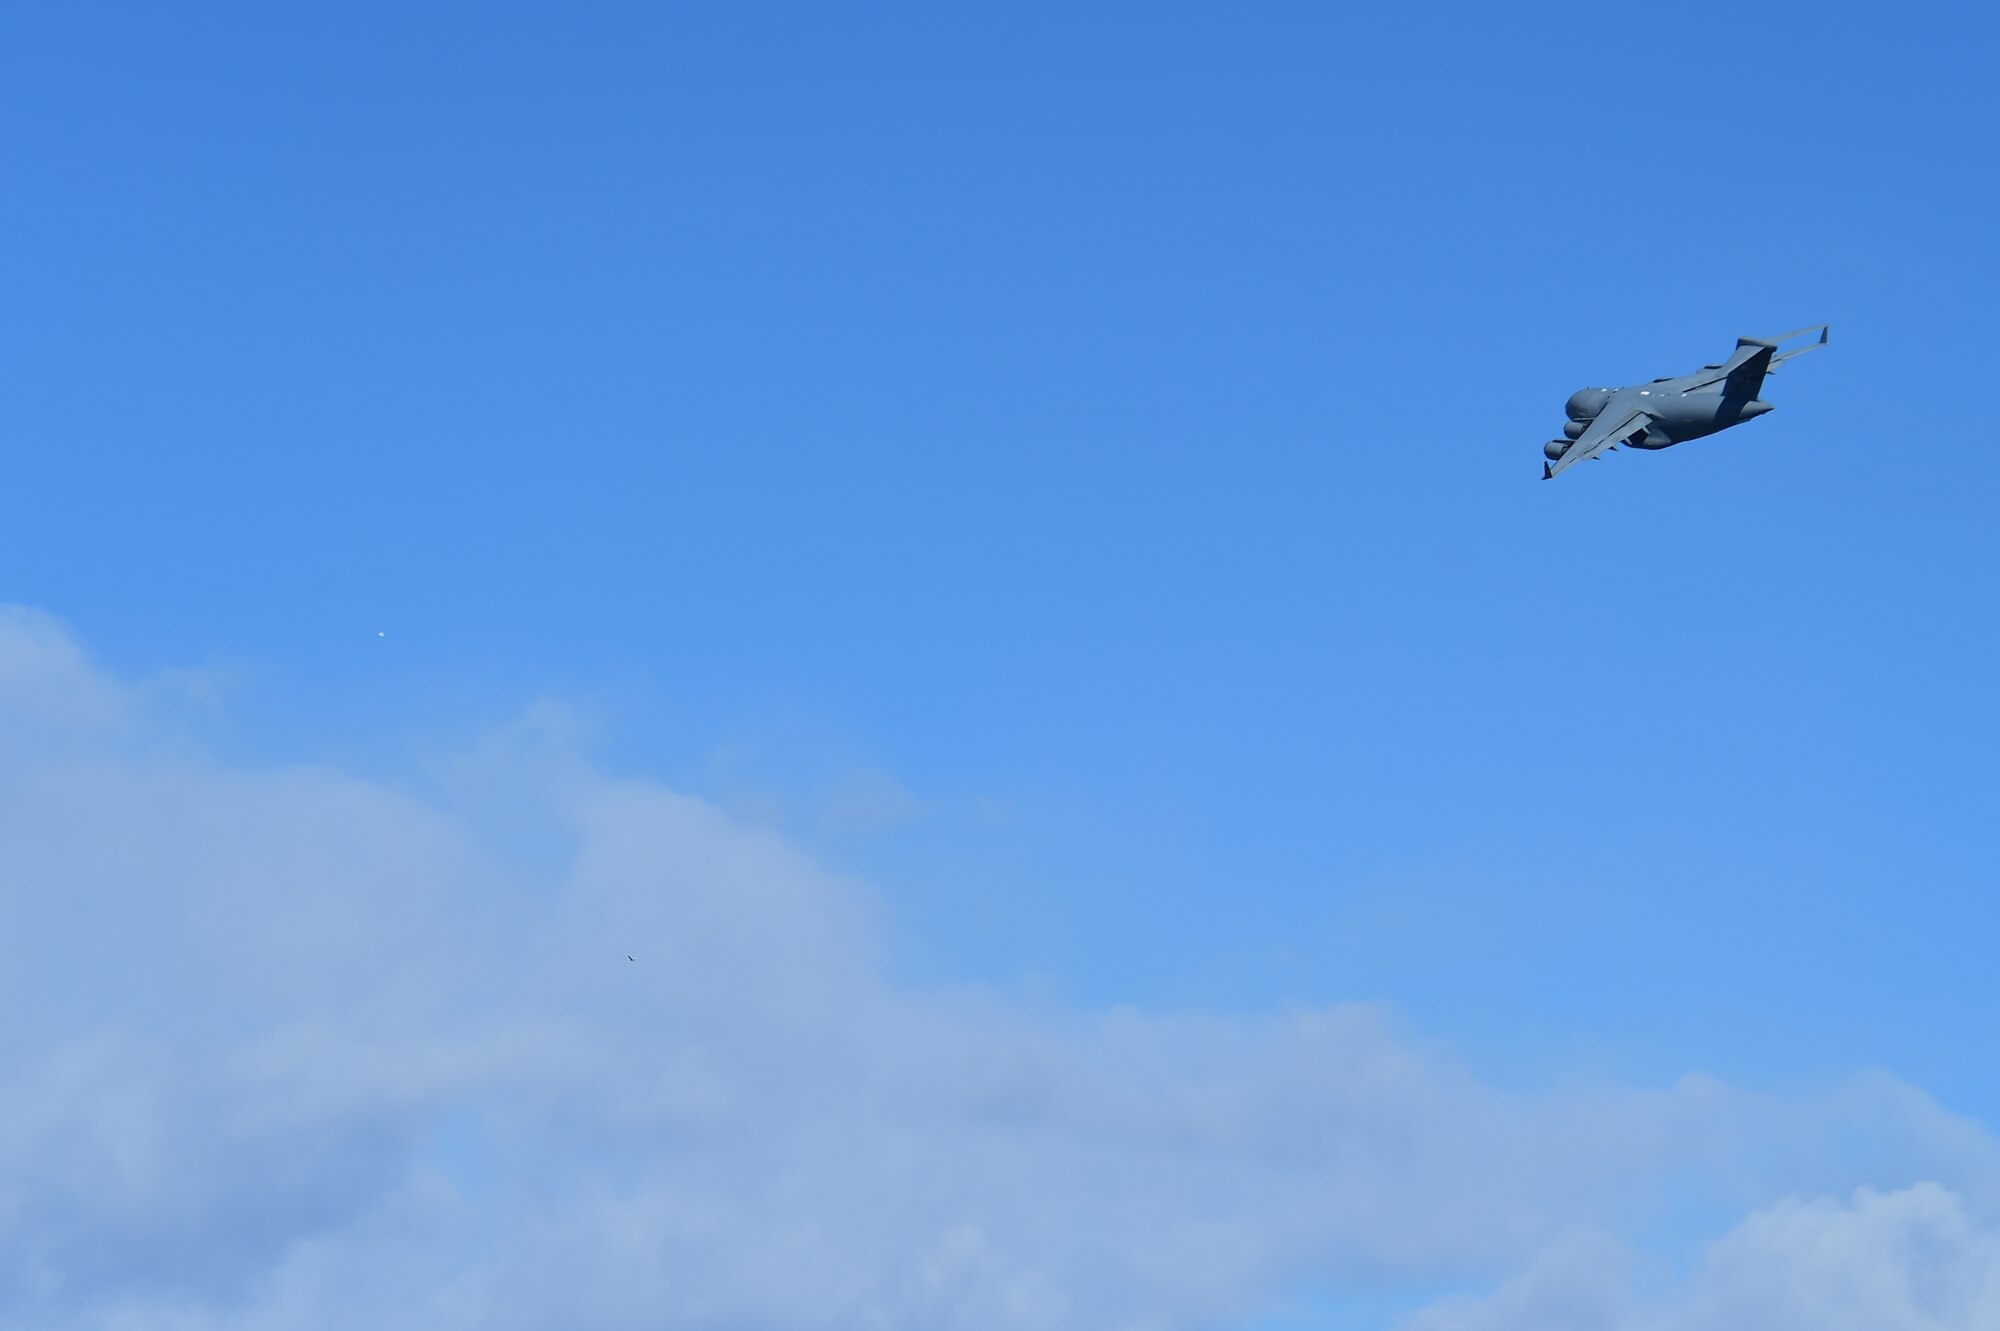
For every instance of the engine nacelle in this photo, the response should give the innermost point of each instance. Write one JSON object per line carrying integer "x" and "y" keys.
{"x": 1554, "y": 449}
{"x": 1575, "y": 429}
{"x": 1585, "y": 403}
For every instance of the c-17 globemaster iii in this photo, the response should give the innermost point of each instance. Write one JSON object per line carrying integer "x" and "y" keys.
{"x": 1673, "y": 410}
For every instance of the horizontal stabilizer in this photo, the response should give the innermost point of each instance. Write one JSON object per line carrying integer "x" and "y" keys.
{"x": 1754, "y": 356}
{"x": 1784, "y": 356}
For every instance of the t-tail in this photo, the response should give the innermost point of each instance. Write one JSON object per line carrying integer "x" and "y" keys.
{"x": 1781, "y": 357}
{"x": 1743, "y": 373}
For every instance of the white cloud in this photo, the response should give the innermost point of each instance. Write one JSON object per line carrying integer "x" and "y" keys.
{"x": 1908, "y": 1260}
{"x": 285, "y": 1048}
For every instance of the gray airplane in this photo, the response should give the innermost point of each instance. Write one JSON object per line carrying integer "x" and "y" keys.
{"x": 1672, "y": 411}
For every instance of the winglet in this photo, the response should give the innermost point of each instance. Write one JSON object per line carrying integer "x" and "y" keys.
{"x": 1547, "y": 474}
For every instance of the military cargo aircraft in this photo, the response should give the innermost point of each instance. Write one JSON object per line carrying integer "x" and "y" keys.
{"x": 1673, "y": 410}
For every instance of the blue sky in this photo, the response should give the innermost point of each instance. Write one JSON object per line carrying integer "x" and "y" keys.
{"x": 1075, "y": 470}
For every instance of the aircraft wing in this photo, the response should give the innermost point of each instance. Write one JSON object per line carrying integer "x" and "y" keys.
{"x": 1620, "y": 419}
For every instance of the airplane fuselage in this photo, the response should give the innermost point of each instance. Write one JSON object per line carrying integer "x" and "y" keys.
{"x": 1681, "y": 412}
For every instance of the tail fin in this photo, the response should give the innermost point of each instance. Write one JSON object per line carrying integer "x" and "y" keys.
{"x": 1743, "y": 375}
{"x": 1757, "y": 356}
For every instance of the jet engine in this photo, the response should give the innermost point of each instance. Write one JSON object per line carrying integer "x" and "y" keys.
{"x": 1554, "y": 449}
{"x": 1585, "y": 403}
{"x": 1572, "y": 429}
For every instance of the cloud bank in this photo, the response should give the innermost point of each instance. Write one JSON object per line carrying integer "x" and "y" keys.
{"x": 284, "y": 1047}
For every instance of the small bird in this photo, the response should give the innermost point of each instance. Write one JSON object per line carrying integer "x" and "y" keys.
{"x": 628, "y": 956}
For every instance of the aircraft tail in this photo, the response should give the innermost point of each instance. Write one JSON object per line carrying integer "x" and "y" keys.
{"x": 1757, "y": 356}
{"x": 1784, "y": 356}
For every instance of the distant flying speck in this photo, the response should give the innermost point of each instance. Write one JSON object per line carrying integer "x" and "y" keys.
{"x": 380, "y": 634}
{"x": 628, "y": 958}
